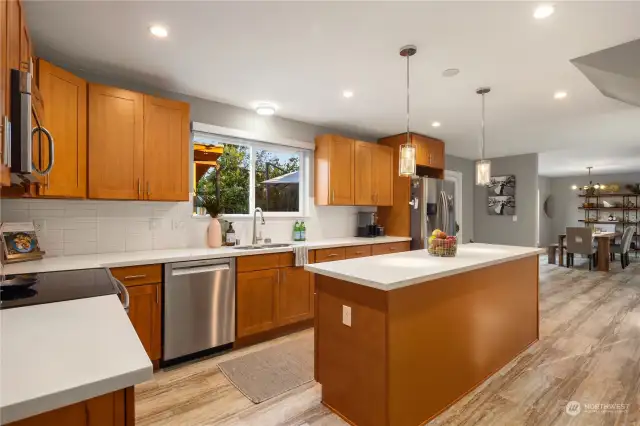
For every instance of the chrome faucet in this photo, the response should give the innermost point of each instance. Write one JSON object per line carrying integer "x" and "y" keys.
{"x": 255, "y": 239}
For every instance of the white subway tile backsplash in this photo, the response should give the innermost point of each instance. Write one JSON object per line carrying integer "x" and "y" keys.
{"x": 85, "y": 227}
{"x": 80, "y": 235}
{"x": 76, "y": 248}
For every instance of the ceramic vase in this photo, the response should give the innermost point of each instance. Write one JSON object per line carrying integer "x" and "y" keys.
{"x": 214, "y": 233}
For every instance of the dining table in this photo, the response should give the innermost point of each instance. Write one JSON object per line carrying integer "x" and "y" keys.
{"x": 604, "y": 248}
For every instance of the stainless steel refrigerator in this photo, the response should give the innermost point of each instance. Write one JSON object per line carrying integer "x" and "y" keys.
{"x": 432, "y": 207}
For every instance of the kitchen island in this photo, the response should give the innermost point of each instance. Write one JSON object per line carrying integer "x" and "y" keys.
{"x": 401, "y": 337}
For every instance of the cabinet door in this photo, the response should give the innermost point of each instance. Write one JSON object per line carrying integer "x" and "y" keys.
{"x": 295, "y": 295}
{"x": 166, "y": 149}
{"x": 145, "y": 315}
{"x": 436, "y": 154}
{"x": 115, "y": 143}
{"x": 341, "y": 165}
{"x": 25, "y": 42}
{"x": 257, "y": 302}
{"x": 363, "y": 172}
{"x": 383, "y": 175}
{"x": 65, "y": 116}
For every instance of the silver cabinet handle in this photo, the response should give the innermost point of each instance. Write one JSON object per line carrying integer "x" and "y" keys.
{"x": 158, "y": 295}
{"x": 135, "y": 277}
{"x": 47, "y": 170}
{"x": 139, "y": 190}
{"x": 6, "y": 124}
{"x": 332, "y": 255}
{"x": 148, "y": 189}
{"x": 125, "y": 295}
{"x": 333, "y": 196}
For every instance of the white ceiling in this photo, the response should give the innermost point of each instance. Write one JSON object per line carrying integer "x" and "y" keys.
{"x": 604, "y": 160}
{"x": 302, "y": 55}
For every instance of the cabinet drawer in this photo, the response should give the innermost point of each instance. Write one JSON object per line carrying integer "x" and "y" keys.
{"x": 136, "y": 275}
{"x": 330, "y": 254}
{"x": 357, "y": 251}
{"x": 390, "y": 248}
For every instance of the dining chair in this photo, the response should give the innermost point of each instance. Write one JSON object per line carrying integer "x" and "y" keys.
{"x": 580, "y": 241}
{"x": 623, "y": 247}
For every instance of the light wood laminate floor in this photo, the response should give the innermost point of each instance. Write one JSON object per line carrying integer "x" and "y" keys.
{"x": 589, "y": 352}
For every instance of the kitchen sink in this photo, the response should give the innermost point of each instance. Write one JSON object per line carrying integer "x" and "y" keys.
{"x": 264, "y": 246}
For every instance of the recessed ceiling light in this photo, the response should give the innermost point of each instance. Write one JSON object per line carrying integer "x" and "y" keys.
{"x": 347, "y": 94}
{"x": 159, "y": 31}
{"x": 435, "y": 124}
{"x": 450, "y": 72}
{"x": 543, "y": 11}
{"x": 265, "y": 108}
{"x": 560, "y": 95}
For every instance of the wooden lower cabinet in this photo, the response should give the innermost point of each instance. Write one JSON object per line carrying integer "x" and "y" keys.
{"x": 390, "y": 248}
{"x": 111, "y": 409}
{"x": 145, "y": 313}
{"x": 256, "y": 294}
{"x": 295, "y": 295}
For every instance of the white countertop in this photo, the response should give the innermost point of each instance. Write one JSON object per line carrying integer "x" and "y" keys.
{"x": 65, "y": 263}
{"x": 392, "y": 271}
{"x": 58, "y": 354}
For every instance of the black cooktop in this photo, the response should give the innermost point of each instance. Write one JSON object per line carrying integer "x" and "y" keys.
{"x": 47, "y": 287}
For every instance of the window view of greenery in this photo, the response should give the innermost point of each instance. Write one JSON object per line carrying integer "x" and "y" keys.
{"x": 277, "y": 181}
{"x": 223, "y": 170}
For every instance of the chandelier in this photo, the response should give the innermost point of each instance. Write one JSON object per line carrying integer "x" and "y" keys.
{"x": 591, "y": 189}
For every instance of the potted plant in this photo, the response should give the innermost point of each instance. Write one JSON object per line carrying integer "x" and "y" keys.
{"x": 211, "y": 204}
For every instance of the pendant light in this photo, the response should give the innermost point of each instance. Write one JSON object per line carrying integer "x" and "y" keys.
{"x": 590, "y": 189}
{"x": 483, "y": 167}
{"x": 407, "y": 166}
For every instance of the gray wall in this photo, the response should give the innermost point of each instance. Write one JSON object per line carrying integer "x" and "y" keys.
{"x": 466, "y": 167}
{"x": 565, "y": 203}
{"x": 502, "y": 229}
{"x": 545, "y": 234}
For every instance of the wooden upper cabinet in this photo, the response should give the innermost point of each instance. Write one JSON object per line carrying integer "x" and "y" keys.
{"x": 429, "y": 152}
{"x": 166, "y": 149}
{"x": 364, "y": 174}
{"x": 115, "y": 143}
{"x": 383, "y": 175}
{"x": 334, "y": 170}
{"x": 373, "y": 174}
{"x": 25, "y": 42}
{"x": 65, "y": 116}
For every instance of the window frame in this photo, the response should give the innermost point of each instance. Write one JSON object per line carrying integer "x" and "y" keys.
{"x": 303, "y": 184}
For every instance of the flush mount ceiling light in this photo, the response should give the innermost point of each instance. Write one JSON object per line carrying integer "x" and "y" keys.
{"x": 560, "y": 95}
{"x": 159, "y": 31}
{"x": 483, "y": 167}
{"x": 543, "y": 11}
{"x": 347, "y": 94}
{"x": 407, "y": 166}
{"x": 435, "y": 124}
{"x": 450, "y": 72}
{"x": 265, "y": 108}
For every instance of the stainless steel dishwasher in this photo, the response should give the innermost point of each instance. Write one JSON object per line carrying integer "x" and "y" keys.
{"x": 199, "y": 306}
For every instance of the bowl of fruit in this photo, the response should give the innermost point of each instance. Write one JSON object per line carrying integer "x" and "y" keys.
{"x": 443, "y": 245}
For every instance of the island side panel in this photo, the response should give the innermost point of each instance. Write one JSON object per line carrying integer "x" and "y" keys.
{"x": 352, "y": 361}
{"x": 448, "y": 335}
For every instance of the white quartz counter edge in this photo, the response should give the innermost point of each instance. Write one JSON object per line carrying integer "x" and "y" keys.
{"x": 65, "y": 263}
{"x": 372, "y": 271}
{"x": 58, "y": 354}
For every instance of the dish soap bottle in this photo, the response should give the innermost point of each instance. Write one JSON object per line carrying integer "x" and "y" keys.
{"x": 296, "y": 231}
{"x": 303, "y": 231}
{"x": 231, "y": 235}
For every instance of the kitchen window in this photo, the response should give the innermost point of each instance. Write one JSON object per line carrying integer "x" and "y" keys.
{"x": 245, "y": 174}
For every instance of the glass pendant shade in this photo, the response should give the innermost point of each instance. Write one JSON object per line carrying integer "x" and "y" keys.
{"x": 483, "y": 172}
{"x": 407, "y": 166}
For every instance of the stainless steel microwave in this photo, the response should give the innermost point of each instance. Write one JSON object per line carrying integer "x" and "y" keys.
{"x": 24, "y": 127}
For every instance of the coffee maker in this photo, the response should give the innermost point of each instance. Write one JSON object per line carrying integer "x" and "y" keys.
{"x": 368, "y": 225}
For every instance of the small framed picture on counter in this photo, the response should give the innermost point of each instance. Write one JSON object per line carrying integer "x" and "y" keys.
{"x": 20, "y": 242}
